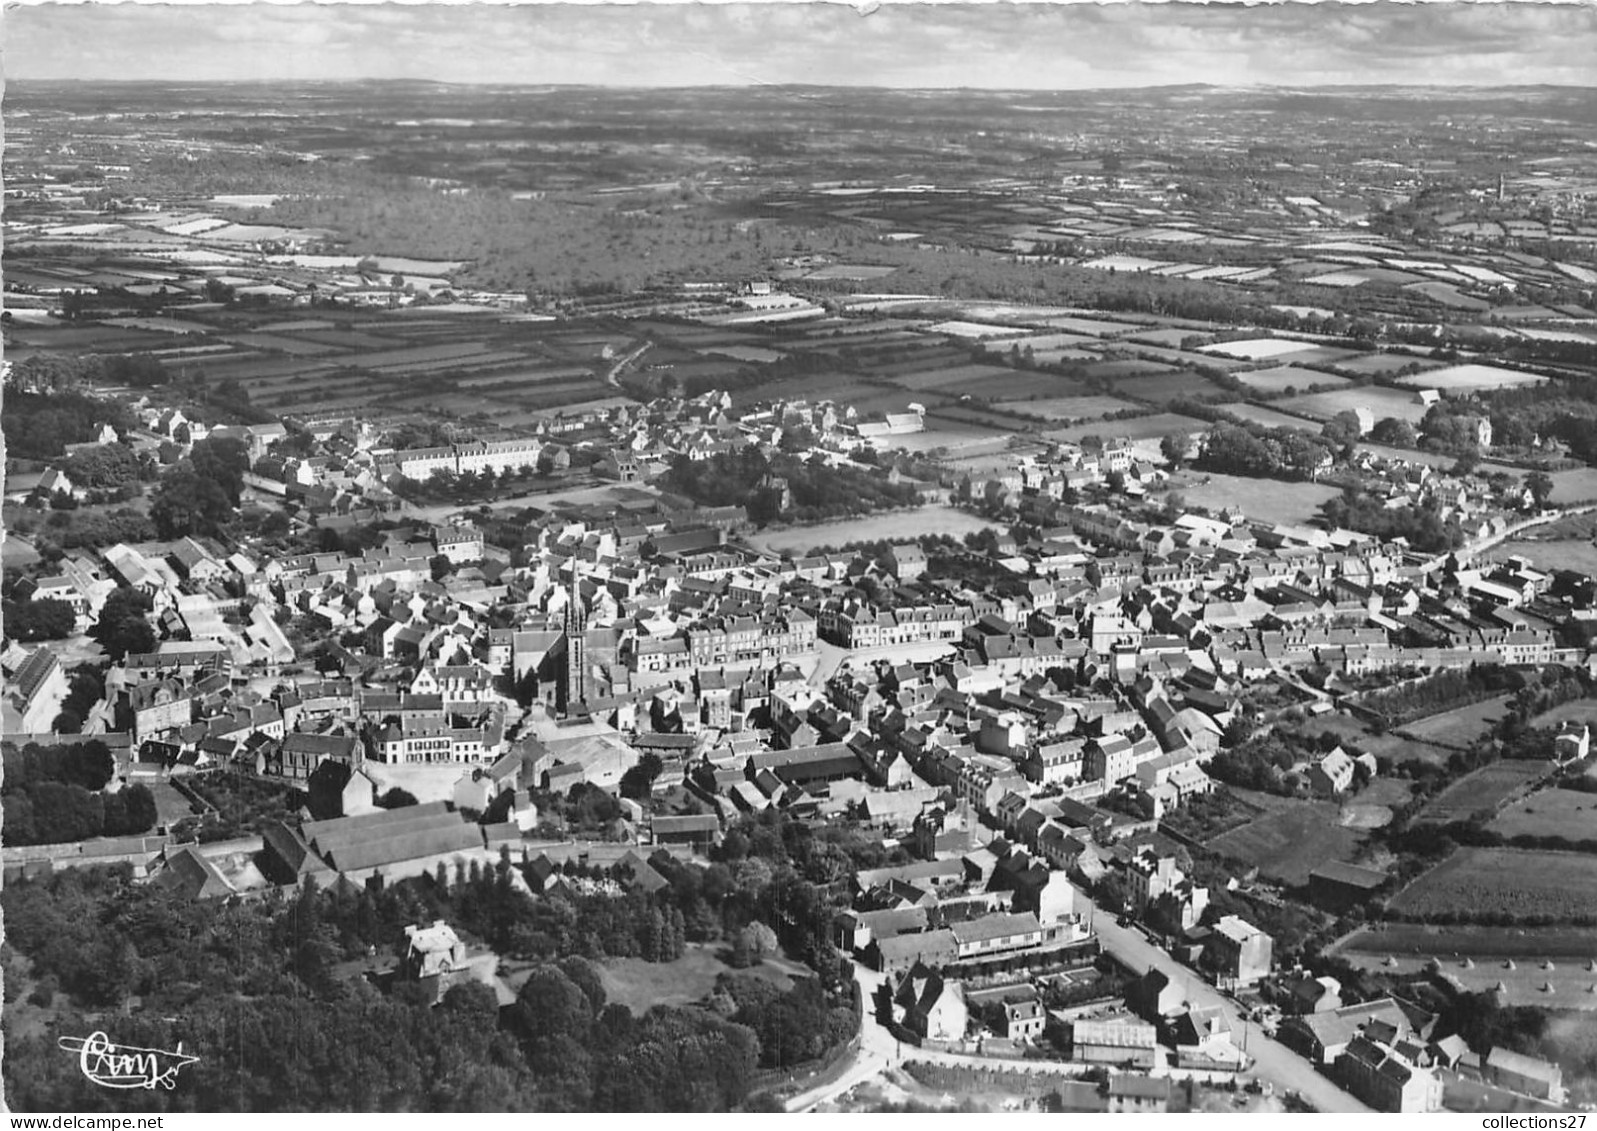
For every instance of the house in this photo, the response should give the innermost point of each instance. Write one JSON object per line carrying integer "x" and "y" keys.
{"x": 700, "y": 832}
{"x": 1572, "y": 743}
{"x": 1129, "y": 1092}
{"x": 34, "y": 694}
{"x": 191, "y": 875}
{"x": 1385, "y": 1079}
{"x": 1332, "y": 774}
{"x": 934, "y": 1007}
{"x": 1527, "y": 1075}
{"x": 1238, "y": 952}
{"x": 1322, "y": 1037}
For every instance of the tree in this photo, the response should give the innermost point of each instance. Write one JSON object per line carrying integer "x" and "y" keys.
{"x": 1394, "y": 432}
{"x": 187, "y": 503}
{"x": 41, "y": 619}
{"x": 638, "y": 782}
{"x": 124, "y": 626}
{"x": 1174, "y": 447}
{"x": 441, "y": 566}
{"x": 1540, "y": 485}
{"x": 396, "y": 798}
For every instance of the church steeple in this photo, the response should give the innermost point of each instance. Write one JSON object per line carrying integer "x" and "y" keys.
{"x": 576, "y": 625}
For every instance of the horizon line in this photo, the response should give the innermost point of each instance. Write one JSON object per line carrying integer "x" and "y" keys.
{"x": 15, "y": 80}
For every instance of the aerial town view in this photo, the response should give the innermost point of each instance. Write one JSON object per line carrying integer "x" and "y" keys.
{"x": 778, "y": 558}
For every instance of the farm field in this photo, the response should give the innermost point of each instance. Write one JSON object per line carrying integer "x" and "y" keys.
{"x": 1287, "y": 844}
{"x": 1478, "y": 958}
{"x": 1165, "y": 388}
{"x": 1485, "y": 788}
{"x": 1380, "y": 364}
{"x": 1140, "y": 428}
{"x": 1550, "y": 812}
{"x": 1459, "y": 727}
{"x": 1080, "y": 408}
{"x": 1270, "y": 418}
{"x": 1577, "y": 485}
{"x": 1257, "y": 349}
{"x": 1505, "y": 881}
{"x": 638, "y": 985}
{"x": 897, "y": 524}
{"x": 1268, "y": 500}
{"x": 1382, "y": 401}
{"x": 1471, "y": 378}
{"x": 1580, "y": 710}
{"x": 1280, "y": 378}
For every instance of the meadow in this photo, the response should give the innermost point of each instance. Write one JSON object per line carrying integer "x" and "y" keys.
{"x": 1505, "y": 881}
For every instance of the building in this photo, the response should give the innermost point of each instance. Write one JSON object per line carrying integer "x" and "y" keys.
{"x": 34, "y": 694}
{"x": 934, "y": 1007}
{"x": 1321, "y": 1037}
{"x": 1120, "y": 1040}
{"x": 1144, "y": 1095}
{"x": 1527, "y": 1075}
{"x": 1238, "y": 952}
{"x": 1339, "y": 887}
{"x": 1385, "y": 1079}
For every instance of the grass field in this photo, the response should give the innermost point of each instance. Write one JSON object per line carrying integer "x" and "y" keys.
{"x": 1270, "y": 418}
{"x": 1485, "y": 788}
{"x": 1550, "y": 812}
{"x": 1140, "y": 428}
{"x": 1507, "y": 881}
{"x": 1079, "y": 408}
{"x": 1166, "y": 387}
{"x": 1280, "y": 378}
{"x": 1578, "y": 555}
{"x": 1459, "y": 727}
{"x": 1268, "y": 500}
{"x": 1381, "y": 401}
{"x": 1580, "y": 710}
{"x": 638, "y": 985}
{"x": 1287, "y": 844}
{"x": 899, "y": 524}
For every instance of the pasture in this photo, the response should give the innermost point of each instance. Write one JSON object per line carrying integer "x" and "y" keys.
{"x": 1141, "y": 428}
{"x": 1288, "y": 379}
{"x": 1505, "y": 881}
{"x": 1257, "y": 349}
{"x": 1270, "y": 418}
{"x": 638, "y": 985}
{"x": 1486, "y": 788}
{"x": 1550, "y": 812}
{"x": 893, "y": 526}
{"x": 1381, "y": 364}
{"x": 1471, "y": 378}
{"x": 1163, "y": 389}
{"x": 1268, "y": 500}
{"x": 1461, "y": 726}
{"x": 1080, "y": 408}
{"x": 1285, "y": 845}
{"x": 1578, "y": 710}
{"x": 1383, "y": 402}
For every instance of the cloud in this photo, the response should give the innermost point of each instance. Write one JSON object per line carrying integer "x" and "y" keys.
{"x": 1028, "y": 45}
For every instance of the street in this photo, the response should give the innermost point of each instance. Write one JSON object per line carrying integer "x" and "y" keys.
{"x": 1273, "y": 1061}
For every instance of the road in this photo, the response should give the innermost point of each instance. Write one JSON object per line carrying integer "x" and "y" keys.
{"x": 1273, "y": 1061}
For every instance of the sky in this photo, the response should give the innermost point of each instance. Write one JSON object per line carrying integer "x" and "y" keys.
{"x": 900, "y": 44}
